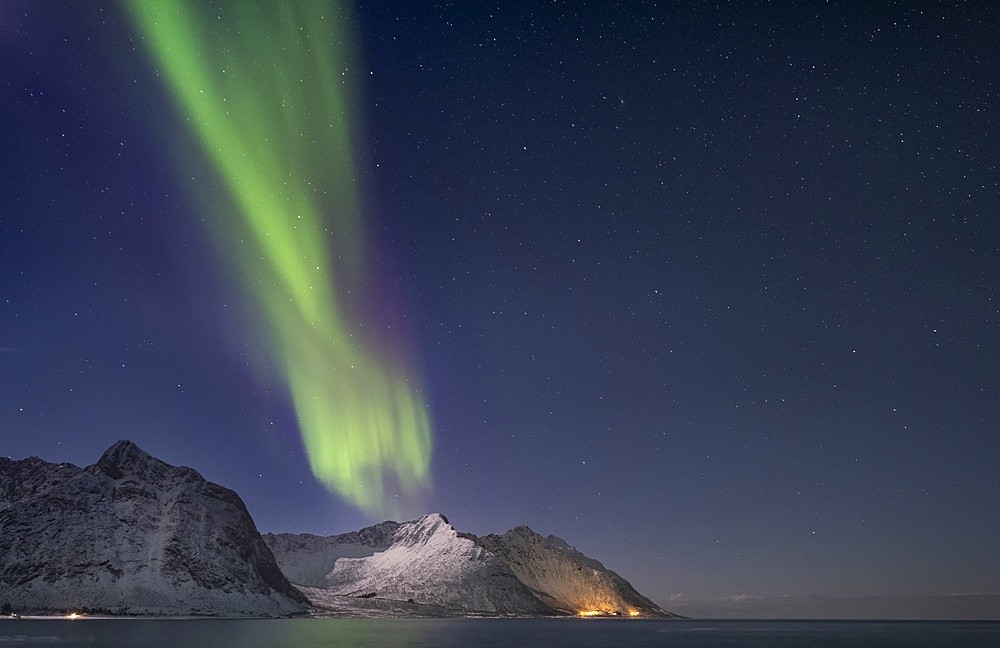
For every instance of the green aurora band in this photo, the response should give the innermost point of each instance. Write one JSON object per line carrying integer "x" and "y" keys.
{"x": 265, "y": 89}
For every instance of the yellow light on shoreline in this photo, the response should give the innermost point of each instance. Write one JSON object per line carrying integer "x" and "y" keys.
{"x": 591, "y": 613}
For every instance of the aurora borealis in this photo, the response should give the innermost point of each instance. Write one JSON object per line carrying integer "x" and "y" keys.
{"x": 268, "y": 99}
{"x": 708, "y": 289}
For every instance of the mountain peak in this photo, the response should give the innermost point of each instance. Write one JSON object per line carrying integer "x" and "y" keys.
{"x": 438, "y": 515}
{"x": 121, "y": 458}
{"x": 121, "y": 444}
{"x": 431, "y": 522}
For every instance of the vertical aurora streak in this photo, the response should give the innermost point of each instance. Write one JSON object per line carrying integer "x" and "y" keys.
{"x": 265, "y": 91}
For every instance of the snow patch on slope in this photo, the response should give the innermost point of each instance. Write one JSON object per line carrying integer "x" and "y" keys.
{"x": 307, "y": 559}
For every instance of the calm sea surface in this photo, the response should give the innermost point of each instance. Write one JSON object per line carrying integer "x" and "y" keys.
{"x": 494, "y": 633}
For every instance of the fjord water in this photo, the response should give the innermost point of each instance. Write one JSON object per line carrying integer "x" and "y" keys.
{"x": 496, "y": 633}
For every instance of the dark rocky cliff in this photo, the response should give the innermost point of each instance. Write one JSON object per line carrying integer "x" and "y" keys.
{"x": 132, "y": 531}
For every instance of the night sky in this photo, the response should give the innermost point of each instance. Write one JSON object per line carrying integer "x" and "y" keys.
{"x": 708, "y": 290}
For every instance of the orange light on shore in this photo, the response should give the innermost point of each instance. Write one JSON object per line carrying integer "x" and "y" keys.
{"x": 74, "y": 616}
{"x": 591, "y": 613}
{"x": 633, "y": 612}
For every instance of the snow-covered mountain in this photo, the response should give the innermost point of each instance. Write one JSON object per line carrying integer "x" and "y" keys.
{"x": 132, "y": 531}
{"x": 564, "y": 578}
{"x": 426, "y": 561}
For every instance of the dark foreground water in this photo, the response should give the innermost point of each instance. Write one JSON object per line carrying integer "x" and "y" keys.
{"x": 494, "y": 633}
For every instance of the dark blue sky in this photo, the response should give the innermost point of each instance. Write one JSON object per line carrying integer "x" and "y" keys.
{"x": 708, "y": 290}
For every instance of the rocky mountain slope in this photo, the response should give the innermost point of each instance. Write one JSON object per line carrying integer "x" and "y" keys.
{"x": 564, "y": 578}
{"x": 132, "y": 531}
{"x": 426, "y": 561}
